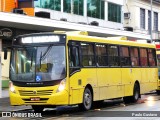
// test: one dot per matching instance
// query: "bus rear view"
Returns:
(38, 71)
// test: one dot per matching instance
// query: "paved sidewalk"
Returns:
(5, 93)
(5, 103)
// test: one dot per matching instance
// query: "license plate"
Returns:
(34, 98)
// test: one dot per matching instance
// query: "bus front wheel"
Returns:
(87, 100)
(38, 108)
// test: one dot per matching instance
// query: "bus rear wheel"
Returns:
(87, 100)
(135, 97)
(38, 108)
(136, 94)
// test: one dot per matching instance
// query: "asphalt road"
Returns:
(147, 108)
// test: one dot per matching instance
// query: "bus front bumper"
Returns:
(60, 98)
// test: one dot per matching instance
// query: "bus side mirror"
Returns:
(5, 54)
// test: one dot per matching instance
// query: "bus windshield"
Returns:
(38, 64)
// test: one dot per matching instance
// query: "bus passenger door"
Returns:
(75, 78)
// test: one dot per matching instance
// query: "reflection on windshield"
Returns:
(22, 64)
(37, 64)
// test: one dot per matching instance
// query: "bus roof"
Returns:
(108, 40)
(83, 36)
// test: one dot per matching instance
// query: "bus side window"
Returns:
(88, 58)
(74, 57)
(151, 57)
(143, 57)
(125, 58)
(101, 54)
(74, 60)
(134, 56)
(113, 56)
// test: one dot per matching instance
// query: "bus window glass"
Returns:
(51, 62)
(73, 57)
(74, 61)
(134, 56)
(125, 58)
(151, 57)
(23, 64)
(101, 53)
(143, 57)
(113, 55)
(88, 58)
(38, 64)
(158, 62)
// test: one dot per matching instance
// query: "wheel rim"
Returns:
(136, 96)
(87, 99)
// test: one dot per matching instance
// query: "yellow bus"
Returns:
(52, 69)
(158, 61)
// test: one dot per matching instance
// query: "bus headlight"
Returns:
(11, 87)
(61, 85)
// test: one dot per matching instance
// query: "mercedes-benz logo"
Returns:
(34, 92)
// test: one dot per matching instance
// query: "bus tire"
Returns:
(158, 92)
(87, 100)
(37, 108)
(135, 97)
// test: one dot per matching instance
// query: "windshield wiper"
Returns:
(40, 60)
(32, 60)
(42, 57)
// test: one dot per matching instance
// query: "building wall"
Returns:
(133, 6)
(119, 2)
(29, 11)
(28, 7)
(5, 66)
(70, 17)
(57, 15)
(7, 5)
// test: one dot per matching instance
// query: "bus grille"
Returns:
(35, 92)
